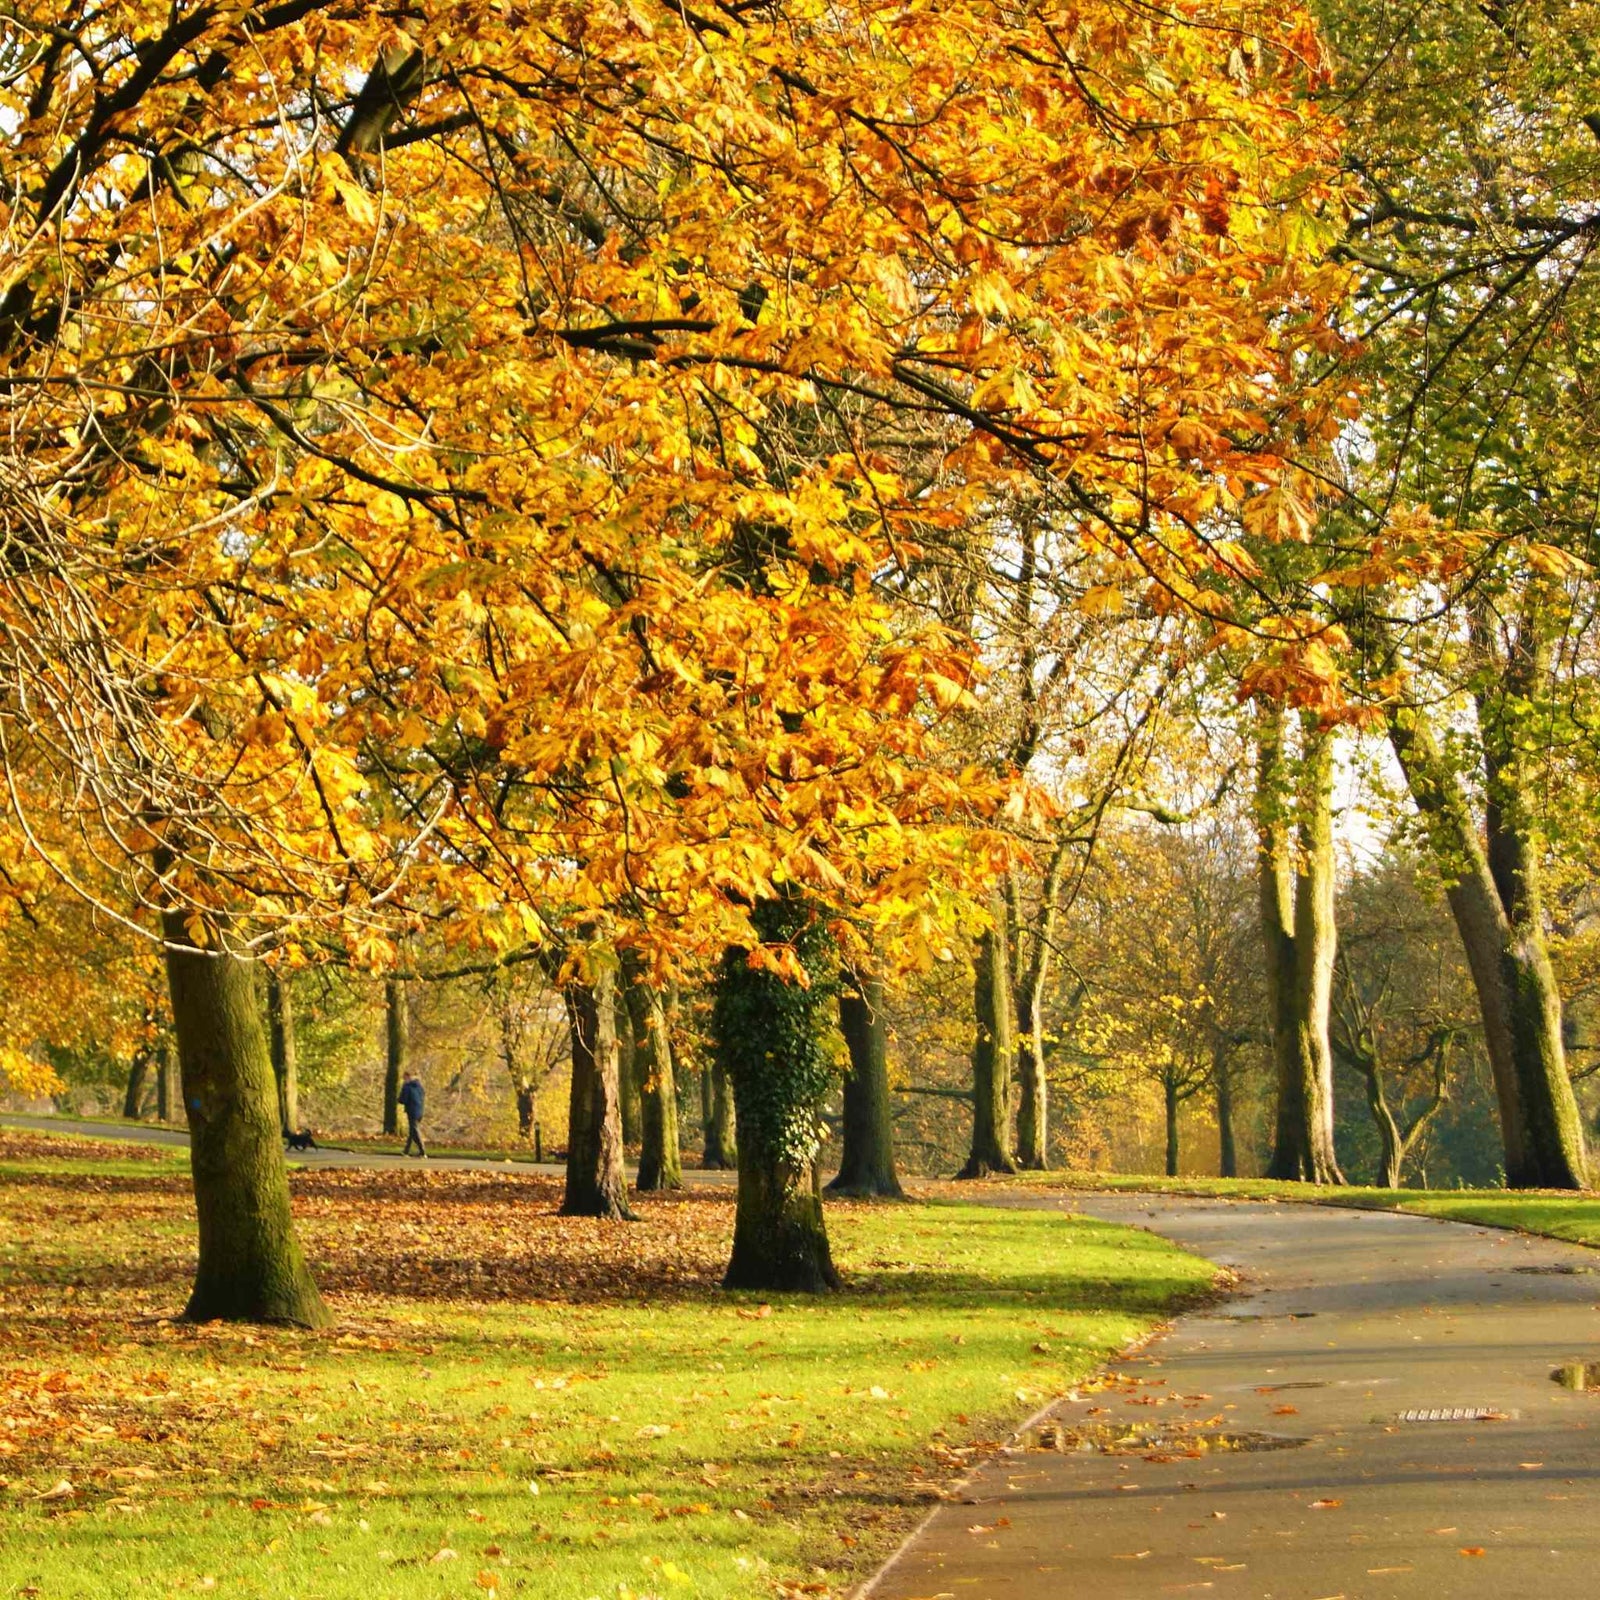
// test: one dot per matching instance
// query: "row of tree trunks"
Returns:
(1294, 819)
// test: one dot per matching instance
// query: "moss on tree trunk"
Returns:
(769, 1036)
(866, 1161)
(251, 1267)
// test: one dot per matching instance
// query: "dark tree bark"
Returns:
(722, 1142)
(251, 1267)
(285, 1051)
(1492, 886)
(1222, 1082)
(138, 1071)
(866, 1161)
(164, 1081)
(1169, 1087)
(597, 1181)
(660, 1159)
(1297, 917)
(629, 1072)
(768, 1037)
(992, 1054)
(397, 1049)
(525, 1110)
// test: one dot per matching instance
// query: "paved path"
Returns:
(377, 1160)
(1347, 1321)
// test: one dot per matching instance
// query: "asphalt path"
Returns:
(375, 1160)
(1372, 1417)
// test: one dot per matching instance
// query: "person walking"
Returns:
(411, 1104)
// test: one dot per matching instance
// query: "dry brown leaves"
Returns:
(17, 1144)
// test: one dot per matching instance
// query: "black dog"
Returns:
(302, 1140)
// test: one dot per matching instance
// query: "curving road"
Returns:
(1313, 1437)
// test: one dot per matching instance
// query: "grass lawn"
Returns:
(513, 1403)
(1556, 1213)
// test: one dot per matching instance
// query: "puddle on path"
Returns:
(1577, 1375)
(1152, 1441)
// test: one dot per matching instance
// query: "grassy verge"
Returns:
(1553, 1213)
(513, 1403)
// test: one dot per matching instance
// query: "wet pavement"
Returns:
(1373, 1416)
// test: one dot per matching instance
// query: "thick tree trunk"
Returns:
(138, 1071)
(597, 1182)
(397, 1049)
(660, 1160)
(769, 1037)
(1227, 1147)
(251, 1268)
(1499, 919)
(992, 1054)
(1297, 919)
(722, 1143)
(866, 1161)
(631, 1070)
(285, 1051)
(1170, 1100)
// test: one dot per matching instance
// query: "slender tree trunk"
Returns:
(722, 1143)
(164, 1081)
(866, 1161)
(1518, 999)
(397, 1052)
(1033, 959)
(597, 1182)
(138, 1070)
(1391, 1152)
(1169, 1087)
(992, 1055)
(704, 1078)
(631, 1070)
(769, 1038)
(251, 1268)
(285, 1051)
(1227, 1148)
(1297, 919)
(660, 1161)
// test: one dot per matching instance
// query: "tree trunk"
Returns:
(1227, 1149)
(660, 1161)
(164, 1081)
(1033, 1101)
(722, 1144)
(285, 1051)
(1169, 1087)
(397, 1055)
(1297, 918)
(1391, 1153)
(597, 1182)
(631, 1068)
(525, 1109)
(992, 1055)
(866, 1162)
(251, 1268)
(1499, 919)
(138, 1070)
(768, 1035)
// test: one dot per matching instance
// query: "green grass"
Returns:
(682, 1442)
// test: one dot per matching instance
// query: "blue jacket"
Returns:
(411, 1098)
